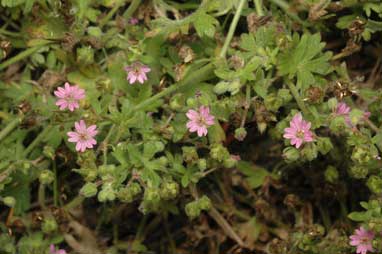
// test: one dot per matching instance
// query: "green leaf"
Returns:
(360, 216)
(305, 59)
(205, 24)
(255, 175)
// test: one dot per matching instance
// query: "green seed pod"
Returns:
(358, 171)
(9, 201)
(332, 104)
(219, 152)
(291, 154)
(331, 174)
(375, 184)
(202, 164)
(240, 134)
(177, 102)
(151, 195)
(309, 151)
(204, 203)
(361, 154)
(190, 155)
(169, 190)
(85, 55)
(49, 225)
(106, 170)
(49, 152)
(192, 102)
(284, 95)
(229, 162)
(89, 190)
(46, 176)
(192, 210)
(106, 194)
(221, 87)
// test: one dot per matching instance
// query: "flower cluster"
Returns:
(69, 97)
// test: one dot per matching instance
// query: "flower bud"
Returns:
(324, 145)
(219, 152)
(240, 134)
(202, 164)
(85, 55)
(106, 170)
(361, 154)
(230, 162)
(272, 102)
(284, 95)
(192, 210)
(309, 151)
(49, 225)
(177, 102)
(358, 171)
(204, 203)
(49, 152)
(151, 195)
(89, 190)
(9, 201)
(192, 103)
(46, 176)
(332, 104)
(169, 190)
(221, 87)
(106, 194)
(128, 193)
(331, 174)
(375, 184)
(190, 155)
(291, 154)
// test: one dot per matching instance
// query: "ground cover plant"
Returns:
(190, 126)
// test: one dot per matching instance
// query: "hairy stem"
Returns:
(22, 55)
(132, 8)
(297, 97)
(259, 7)
(232, 29)
(9, 128)
(37, 140)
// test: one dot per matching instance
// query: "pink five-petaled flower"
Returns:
(133, 21)
(54, 251)
(362, 239)
(83, 136)
(199, 120)
(68, 96)
(137, 71)
(299, 131)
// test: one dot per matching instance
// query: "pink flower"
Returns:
(133, 21)
(54, 251)
(137, 71)
(342, 109)
(199, 120)
(69, 96)
(83, 136)
(363, 240)
(299, 131)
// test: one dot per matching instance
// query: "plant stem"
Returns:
(259, 7)
(193, 78)
(110, 14)
(285, 7)
(247, 104)
(22, 55)
(41, 196)
(232, 29)
(74, 203)
(132, 8)
(55, 184)
(37, 140)
(296, 96)
(8, 129)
